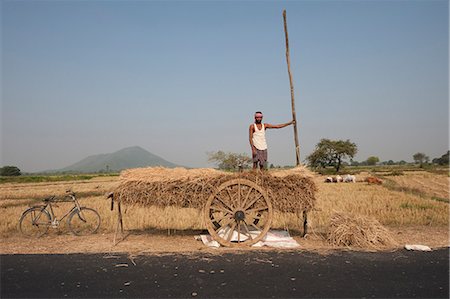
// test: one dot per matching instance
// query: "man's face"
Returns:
(258, 119)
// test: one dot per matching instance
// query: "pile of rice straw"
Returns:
(358, 231)
(289, 190)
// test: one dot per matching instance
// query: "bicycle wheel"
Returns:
(83, 222)
(34, 222)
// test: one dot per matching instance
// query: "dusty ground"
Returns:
(185, 242)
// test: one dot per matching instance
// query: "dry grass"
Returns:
(290, 190)
(358, 231)
(390, 208)
(432, 185)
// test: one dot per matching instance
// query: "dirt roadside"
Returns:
(185, 242)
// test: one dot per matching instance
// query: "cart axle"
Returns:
(239, 215)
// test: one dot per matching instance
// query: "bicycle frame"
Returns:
(49, 208)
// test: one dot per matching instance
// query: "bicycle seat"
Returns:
(70, 193)
(51, 198)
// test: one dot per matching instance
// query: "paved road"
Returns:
(258, 274)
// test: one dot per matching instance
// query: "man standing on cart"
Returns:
(257, 137)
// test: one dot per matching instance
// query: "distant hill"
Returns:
(130, 157)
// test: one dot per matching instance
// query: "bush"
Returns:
(443, 160)
(229, 161)
(10, 171)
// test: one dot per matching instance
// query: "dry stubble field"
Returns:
(411, 218)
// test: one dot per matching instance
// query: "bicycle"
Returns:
(36, 220)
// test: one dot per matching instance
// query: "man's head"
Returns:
(258, 117)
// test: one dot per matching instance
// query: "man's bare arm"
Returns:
(250, 137)
(269, 126)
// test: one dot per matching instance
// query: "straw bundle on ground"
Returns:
(358, 231)
(289, 190)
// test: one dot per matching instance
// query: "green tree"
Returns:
(443, 160)
(10, 171)
(372, 160)
(420, 158)
(331, 153)
(229, 161)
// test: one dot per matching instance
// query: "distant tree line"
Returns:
(373, 160)
(419, 158)
(333, 153)
(328, 153)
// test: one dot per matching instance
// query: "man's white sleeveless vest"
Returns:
(259, 138)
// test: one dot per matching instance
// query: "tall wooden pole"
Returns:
(294, 118)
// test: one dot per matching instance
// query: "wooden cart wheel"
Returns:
(238, 213)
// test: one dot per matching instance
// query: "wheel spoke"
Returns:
(221, 209)
(227, 205)
(248, 232)
(224, 225)
(252, 202)
(224, 217)
(257, 209)
(231, 197)
(230, 232)
(239, 195)
(239, 231)
(255, 226)
(246, 197)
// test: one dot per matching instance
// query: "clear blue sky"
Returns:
(181, 78)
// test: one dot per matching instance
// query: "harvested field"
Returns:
(412, 219)
(390, 208)
(38, 191)
(429, 184)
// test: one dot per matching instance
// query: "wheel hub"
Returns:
(239, 215)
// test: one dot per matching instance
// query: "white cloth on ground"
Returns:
(273, 238)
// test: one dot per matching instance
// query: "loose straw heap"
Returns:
(289, 190)
(358, 231)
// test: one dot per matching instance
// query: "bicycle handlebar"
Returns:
(53, 198)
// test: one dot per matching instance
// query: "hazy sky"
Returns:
(181, 78)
